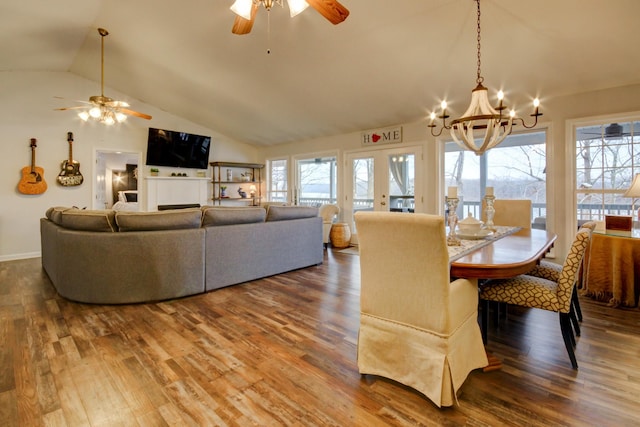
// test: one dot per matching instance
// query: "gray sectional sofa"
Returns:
(109, 257)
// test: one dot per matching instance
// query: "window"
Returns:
(607, 159)
(316, 181)
(277, 188)
(515, 169)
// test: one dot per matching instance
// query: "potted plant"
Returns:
(154, 171)
(223, 191)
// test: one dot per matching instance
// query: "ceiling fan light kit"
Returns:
(102, 108)
(246, 11)
(243, 7)
(491, 125)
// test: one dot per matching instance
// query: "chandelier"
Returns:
(491, 125)
(243, 7)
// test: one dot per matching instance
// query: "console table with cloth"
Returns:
(613, 273)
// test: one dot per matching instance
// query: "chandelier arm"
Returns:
(531, 126)
(434, 133)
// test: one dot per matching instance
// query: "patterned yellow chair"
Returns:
(551, 271)
(416, 327)
(536, 292)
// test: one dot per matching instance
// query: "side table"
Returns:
(340, 235)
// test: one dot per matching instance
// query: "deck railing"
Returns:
(586, 211)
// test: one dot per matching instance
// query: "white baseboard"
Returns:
(14, 257)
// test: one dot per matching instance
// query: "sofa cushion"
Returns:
(281, 213)
(55, 213)
(161, 220)
(266, 205)
(88, 220)
(215, 216)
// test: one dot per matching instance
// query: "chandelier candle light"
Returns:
(489, 123)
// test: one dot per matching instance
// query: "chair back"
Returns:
(583, 278)
(572, 263)
(404, 268)
(510, 212)
(328, 212)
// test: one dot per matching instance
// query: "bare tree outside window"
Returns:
(607, 159)
(516, 169)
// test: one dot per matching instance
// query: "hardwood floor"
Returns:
(282, 351)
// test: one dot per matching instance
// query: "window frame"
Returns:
(572, 135)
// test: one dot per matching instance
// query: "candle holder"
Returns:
(489, 211)
(452, 238)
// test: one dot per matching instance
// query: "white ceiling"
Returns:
(390, 62)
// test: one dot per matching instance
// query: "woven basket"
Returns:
(340, 235)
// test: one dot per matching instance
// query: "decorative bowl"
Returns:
(470, 225)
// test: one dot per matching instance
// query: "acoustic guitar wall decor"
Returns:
(32, 181)
(70, 174)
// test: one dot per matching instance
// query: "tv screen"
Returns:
(177, 149)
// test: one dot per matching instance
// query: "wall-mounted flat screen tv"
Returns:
(177, 149)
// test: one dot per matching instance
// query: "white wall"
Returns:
(27, 111)
(557, 112)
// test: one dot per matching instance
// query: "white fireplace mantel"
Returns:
(176, 190)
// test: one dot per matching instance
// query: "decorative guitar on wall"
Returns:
(32, 181)
(70, 174)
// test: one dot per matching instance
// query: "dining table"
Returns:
(510, 252)
(508, 255)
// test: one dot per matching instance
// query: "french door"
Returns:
(383, 180)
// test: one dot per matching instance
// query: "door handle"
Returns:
(383, 203)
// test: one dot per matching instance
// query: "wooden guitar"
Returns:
(32, 181)
(70, 174)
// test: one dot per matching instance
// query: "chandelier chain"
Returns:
(479, 78)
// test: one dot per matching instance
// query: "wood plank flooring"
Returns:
(281, 351)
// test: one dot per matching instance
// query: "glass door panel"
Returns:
(401, 182)
(381, 180)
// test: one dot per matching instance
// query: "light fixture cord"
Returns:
(479, 78)
(102, 66)
(268, 30)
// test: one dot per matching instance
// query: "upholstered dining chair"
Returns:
(416, 327)
(510, 212)
(536, 292)
(551, 271)
(328, 213)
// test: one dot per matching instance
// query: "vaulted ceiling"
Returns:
(390, 62)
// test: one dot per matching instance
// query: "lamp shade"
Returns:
(634, 190)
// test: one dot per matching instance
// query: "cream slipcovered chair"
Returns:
(416, 327)
(327, 212)
(551, 271)
(536, 292)
(514, 213)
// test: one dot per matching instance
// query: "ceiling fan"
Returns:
(246, 10)
(612, 131)
(102, 108)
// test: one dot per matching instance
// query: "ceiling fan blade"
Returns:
(117, 104)
(74, 100)
(135, 113)
(243, 26)
(330, 9)
(71, 108)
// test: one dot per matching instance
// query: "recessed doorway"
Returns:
(115, 171)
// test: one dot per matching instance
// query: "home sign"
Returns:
(391, 135)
